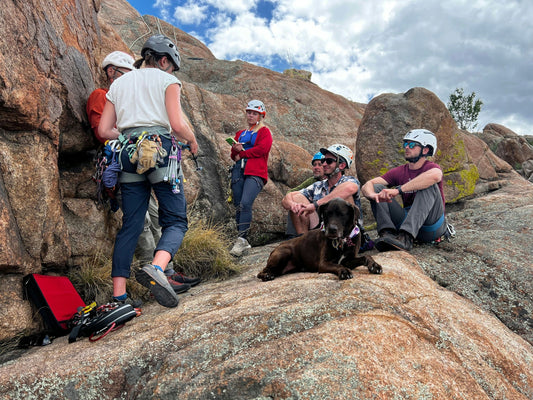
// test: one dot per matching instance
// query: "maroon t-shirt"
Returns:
(402, 174)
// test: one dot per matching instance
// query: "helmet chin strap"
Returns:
(336, 170)
(416, 158)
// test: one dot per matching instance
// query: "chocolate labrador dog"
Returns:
(333, 248)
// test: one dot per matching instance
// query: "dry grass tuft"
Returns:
(93, 281)
(204, 253)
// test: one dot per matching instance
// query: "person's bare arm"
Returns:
(175, 115)
(368, 188)
(423, 181)
(107, 129)
(345, 191)
(293, 201)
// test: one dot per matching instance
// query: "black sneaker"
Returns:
(155, 280)
(180, 278)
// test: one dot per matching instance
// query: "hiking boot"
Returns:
(180, 278)
(240, 247)
(155, 280)
(403, 241)
(178, 286)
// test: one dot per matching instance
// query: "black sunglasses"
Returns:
(411, 145)
(329, 161)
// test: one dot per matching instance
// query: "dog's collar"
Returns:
(338, 242)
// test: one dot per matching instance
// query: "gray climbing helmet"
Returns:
(163, 45)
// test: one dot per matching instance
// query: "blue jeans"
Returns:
(245, 189)
(135, 198)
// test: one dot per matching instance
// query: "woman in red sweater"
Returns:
(250, 172)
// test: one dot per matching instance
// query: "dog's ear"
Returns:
(356, 214)
(322, 211)
(351, 218)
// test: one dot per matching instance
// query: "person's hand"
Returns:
(306, 209)
(193, 147)
(296, 207)
(386, 195)
(237, 147)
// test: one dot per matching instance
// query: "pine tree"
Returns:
(464, 109)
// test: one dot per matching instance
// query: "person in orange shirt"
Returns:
(115, 65)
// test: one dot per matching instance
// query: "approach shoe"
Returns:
(155, 280)
(381, 244)
(178, 286)
(403, 241)
(135, 303)
(180, 278)
(240, 247)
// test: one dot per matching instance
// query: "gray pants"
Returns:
(421, 220)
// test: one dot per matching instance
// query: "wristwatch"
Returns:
(399, 188)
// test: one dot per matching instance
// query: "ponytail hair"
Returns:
(150, 58)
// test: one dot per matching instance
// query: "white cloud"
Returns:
(191, 13)
(361, 48)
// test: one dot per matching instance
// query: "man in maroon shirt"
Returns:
(419, 182)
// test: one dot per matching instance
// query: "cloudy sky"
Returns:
(361, 48)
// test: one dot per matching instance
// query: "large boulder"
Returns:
(508, 146)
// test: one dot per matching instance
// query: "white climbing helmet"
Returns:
(118, 59)
(424, 137)
(341, 151)
(256, 105)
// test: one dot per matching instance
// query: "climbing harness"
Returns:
(143, 147)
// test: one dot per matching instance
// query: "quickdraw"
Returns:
(171, 174)
(105, 192)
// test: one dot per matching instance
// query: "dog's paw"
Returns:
(345, 273)
(375, 268)
(265, 276)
